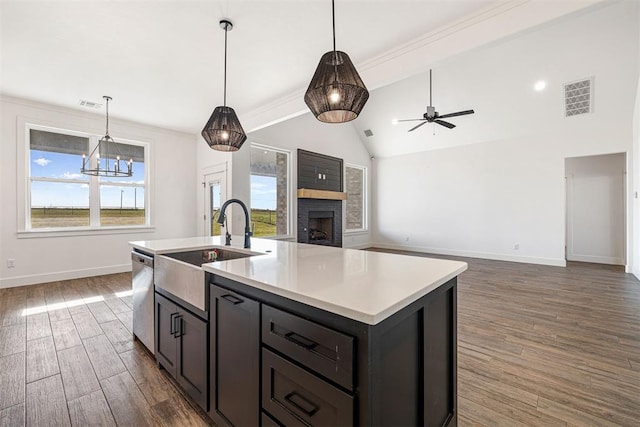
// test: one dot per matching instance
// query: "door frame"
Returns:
(625, 204)
(215, 173)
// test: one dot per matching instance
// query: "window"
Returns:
(355, 183)
(60, 197)
(269, 191)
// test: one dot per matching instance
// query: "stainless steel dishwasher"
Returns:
(142, 284)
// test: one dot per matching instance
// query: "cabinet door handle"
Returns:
(172, 324)
(303, 404)
(232, 299)
(180, 329)
(177, 328)
(300, 340)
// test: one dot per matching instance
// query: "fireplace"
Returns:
(320, 222)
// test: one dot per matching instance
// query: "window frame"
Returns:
(365, 211)
(262, 146)
(25, 229)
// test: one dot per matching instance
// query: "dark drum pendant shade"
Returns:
(336, 93)
(223, 131)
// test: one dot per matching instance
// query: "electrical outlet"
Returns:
(11, 263)
(516, 246)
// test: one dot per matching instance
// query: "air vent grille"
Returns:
(578, 97)
(368, 133)
(90, 104)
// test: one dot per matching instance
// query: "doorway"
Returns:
(595, 189)
(215, 190)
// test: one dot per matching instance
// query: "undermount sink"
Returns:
(204, 256)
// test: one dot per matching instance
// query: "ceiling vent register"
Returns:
(578, 97)
(90, 104)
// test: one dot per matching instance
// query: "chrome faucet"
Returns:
(247, 229)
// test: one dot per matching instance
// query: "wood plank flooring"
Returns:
(67, 357)
(537, 346)
(547, 346)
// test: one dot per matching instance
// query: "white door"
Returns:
(215, 190)
(595, 209)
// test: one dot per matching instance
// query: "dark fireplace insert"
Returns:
(320, 222)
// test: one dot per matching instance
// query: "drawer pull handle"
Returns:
(300, 340)
(233, 300)
(303, 401)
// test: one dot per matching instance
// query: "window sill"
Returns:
(82, 231)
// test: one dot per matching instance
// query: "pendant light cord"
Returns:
(335, 53)
(333, 16)
(226, 28)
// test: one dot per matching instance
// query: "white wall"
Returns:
(44, 259)
(595, 208)
(338, 140)
(481, 199)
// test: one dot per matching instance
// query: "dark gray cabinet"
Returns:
(235, 358)
(181, 347)
(318, 368)
(296, 397)
(319, 172)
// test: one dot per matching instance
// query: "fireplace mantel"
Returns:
(307, 193)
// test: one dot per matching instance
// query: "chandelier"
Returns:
(105, 160)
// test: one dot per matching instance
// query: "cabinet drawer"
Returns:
(296, 397)
(328, 352)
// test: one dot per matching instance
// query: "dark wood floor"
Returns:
(548, 346)
(67, 356)
(537, 346)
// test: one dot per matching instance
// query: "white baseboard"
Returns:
(596, 259)
(358, 246)
(62, 275)
(469, 254)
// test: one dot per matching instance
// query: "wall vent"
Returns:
(90, 104)
(368, 133)
(578, 97)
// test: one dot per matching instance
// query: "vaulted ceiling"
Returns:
(162, 61)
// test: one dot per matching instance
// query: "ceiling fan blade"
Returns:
(410, 120)
(416, 127)
(445, 124)
(459, 113)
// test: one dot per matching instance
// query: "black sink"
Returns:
(204, 256)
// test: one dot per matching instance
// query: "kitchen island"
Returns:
(310, 335)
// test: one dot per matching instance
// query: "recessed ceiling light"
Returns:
(394, 121)
(540, 85)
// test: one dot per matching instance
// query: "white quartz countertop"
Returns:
(361, 285)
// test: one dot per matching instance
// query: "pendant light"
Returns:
(336, 93)
(105, 160)
(223, 131)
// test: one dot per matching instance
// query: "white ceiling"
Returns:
(161, 61)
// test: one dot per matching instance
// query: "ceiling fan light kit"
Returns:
(432, 116)
(336, 93)
(223, 131)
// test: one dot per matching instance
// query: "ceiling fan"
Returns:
(432, 116)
